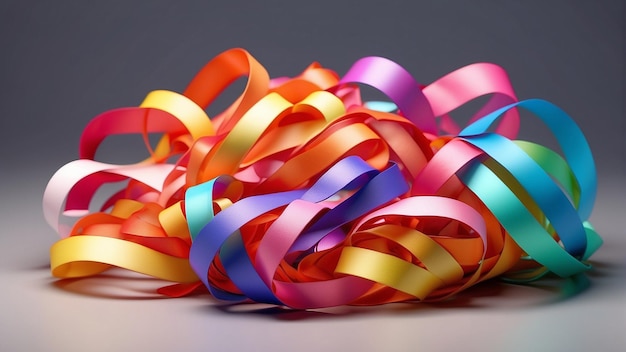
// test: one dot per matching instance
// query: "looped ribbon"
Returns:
(300, 194)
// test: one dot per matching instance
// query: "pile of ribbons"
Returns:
(302, 195)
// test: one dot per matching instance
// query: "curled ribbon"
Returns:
(300, 194)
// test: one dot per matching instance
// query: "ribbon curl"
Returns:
(300, 194)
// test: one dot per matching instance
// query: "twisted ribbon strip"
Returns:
(299, 194)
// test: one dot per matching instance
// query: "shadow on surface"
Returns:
(490, 295)
(116, 284)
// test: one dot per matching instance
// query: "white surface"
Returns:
(119, 312)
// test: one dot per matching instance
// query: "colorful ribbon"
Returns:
(299, 194)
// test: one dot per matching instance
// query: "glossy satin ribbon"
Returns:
(300, 194)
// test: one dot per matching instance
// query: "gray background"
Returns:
(64, 62)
